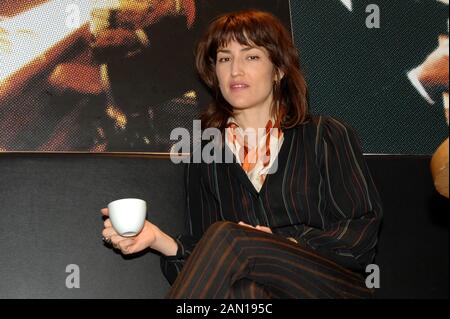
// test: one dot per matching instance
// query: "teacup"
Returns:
(128, 216)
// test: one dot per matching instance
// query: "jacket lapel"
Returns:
(239, 172)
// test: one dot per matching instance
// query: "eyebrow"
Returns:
(242, 50)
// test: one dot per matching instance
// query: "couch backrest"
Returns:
(50, 219)
(413, 246)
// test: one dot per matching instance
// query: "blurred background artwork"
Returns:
(103, 75)
(117, 75)
(379, 65)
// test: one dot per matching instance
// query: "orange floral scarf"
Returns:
(255, 150)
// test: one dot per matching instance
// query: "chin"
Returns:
(239, 108)
(239, 104)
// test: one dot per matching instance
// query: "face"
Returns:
(246, 76)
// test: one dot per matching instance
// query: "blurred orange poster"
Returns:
(103, 75)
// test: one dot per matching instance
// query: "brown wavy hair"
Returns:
(262, 29)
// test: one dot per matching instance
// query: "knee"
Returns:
(222, 229)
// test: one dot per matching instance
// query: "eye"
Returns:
(253, 58)
(223, 59)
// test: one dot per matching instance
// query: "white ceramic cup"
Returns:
(128, 216)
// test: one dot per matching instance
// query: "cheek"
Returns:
(222, 83)
(220, 76)
(267, 84)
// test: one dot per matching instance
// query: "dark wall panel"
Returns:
(413, 247)
(49, 218)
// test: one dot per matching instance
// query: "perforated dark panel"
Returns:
(360, 74)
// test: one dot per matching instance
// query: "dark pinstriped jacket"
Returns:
(322, 194)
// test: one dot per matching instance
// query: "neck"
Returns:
(252, 118)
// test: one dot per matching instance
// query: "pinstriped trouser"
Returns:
(232, 261)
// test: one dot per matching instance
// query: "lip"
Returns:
(239, 86)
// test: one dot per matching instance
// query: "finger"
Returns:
(264, 229)
(106, 237)
(115, 239)
(105, 211)
(109, 232)
(125, 245)
(107, 223)
(245, 225)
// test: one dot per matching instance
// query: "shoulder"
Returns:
(334, 127)
(326, 132)
(322, 126)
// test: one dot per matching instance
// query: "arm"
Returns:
(150, 237)
(353, 207)
(171, 266)
(175, 251)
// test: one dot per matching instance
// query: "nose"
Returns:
(236, 68)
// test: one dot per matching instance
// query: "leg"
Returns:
(228, 253)
(248, 289)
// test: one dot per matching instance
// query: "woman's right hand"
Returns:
(130, 245)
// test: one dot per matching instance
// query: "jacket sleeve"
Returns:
(171, 266)
(353, 205)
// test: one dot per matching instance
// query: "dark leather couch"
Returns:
(49, 219)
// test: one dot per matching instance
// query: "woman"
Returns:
(300, 221)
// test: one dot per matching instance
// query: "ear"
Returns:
(279, 75)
